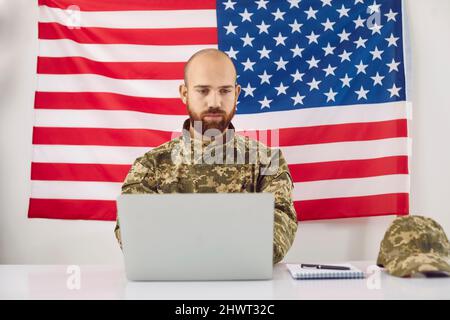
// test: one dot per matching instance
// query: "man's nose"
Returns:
(214, 99)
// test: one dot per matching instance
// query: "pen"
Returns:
(323, 266)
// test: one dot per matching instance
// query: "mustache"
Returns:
(213, 111)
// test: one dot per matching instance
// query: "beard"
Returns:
(221, 123)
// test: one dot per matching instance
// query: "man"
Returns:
(194, 162)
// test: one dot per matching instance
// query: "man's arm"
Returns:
(140, 179)
(278, 181)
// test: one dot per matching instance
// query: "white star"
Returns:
(361, 67)
(359, 1)
(359, 22)
(360, 42)
(329, 70)
(393, 65)
(362, 93)
(279, 15)
(265, 103)
(247, 40)
(246, 16)
(265, 77)
(279, 39)
(281, 64)
(263, 27)
(314, 84)
(248, 90)
(313, 37)
(330, 95)
(374, 7)
(377, 80)
(230, 28)
(392, 40)
(264, 53)
(391, 15)
(328, 25)
(343, 11)
(248, 65)
(311, 13)
(297, 76)
(326, 3)
(294, 3)
(296, 26)
(232, 53)
(229, 4)
(281, 89)
(313, 63)
(394, 91)
(297, 51)
(376, 28)
(328, 49)
(343, 35)
(345, 56)
(376, 53)
(261, 4)
(346, 81)
(298, 98)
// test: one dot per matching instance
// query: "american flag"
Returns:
(328, 75)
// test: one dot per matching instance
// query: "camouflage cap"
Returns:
(415, 245)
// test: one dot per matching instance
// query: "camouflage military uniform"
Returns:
(167, 169)
(415, 245)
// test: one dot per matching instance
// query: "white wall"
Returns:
(42, 241)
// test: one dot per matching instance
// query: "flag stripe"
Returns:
(118, 52)
(155, 37)
(374, 205)
(130, 19)
(265, 121)
(94, 190)
(299, 172)
(287, 137)
(89, 5)
(108, 101)
(293, 154)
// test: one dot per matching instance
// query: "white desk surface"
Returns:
(109, 282)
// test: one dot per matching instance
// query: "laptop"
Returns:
(197, 236)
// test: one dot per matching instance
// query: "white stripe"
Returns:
(97, 83)
(130, 19)
(326, 189)
(118, 52)
(263, 121)
(303, 191)
(352, 150)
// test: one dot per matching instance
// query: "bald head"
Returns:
(210, 60)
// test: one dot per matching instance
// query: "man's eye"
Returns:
(203, 91)
(225, 91)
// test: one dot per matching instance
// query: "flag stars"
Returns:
(376, 28)
(330, 95)
(229, 5)
(362, 93)
(328, 49)
(248, 90)
(278, 15)
(361, 68)
(279, 39)
(343, 35)
(345, 55)
(293, 3)
(393, 66)
(297, 51)
(261, 4)
(263, 27)
(343, 11)
(264, 53)
(377, 80)
(360, 42)
(298, 99)
(297, 76)
(313, 38)
(296, 26)
(232, 53)
(359, 22)
(328, 25)
(346, 81)
(265, 103)
(311, 13)
(247, 40)
(246, 16)
(281, 64)
(392, 41)
(329, 70)
(265, 77)
(314, 84)
(374, 7)
(394, 91)
(376, 54)
(326, 3)
(230, 28)
(391, 15)
(313, 63)
(281, 89)
(248, 65)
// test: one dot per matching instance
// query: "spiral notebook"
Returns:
(297, 272)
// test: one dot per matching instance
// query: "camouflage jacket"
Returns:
(247, 165)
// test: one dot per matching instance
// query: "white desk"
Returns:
(109, 282)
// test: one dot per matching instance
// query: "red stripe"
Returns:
(108, 101)
(115, 5)
(376, 205)
(117, 70)
(79, 172)
(93, 35)
(72, 209)
(153, 138)
(347, 169)
(300, 172)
